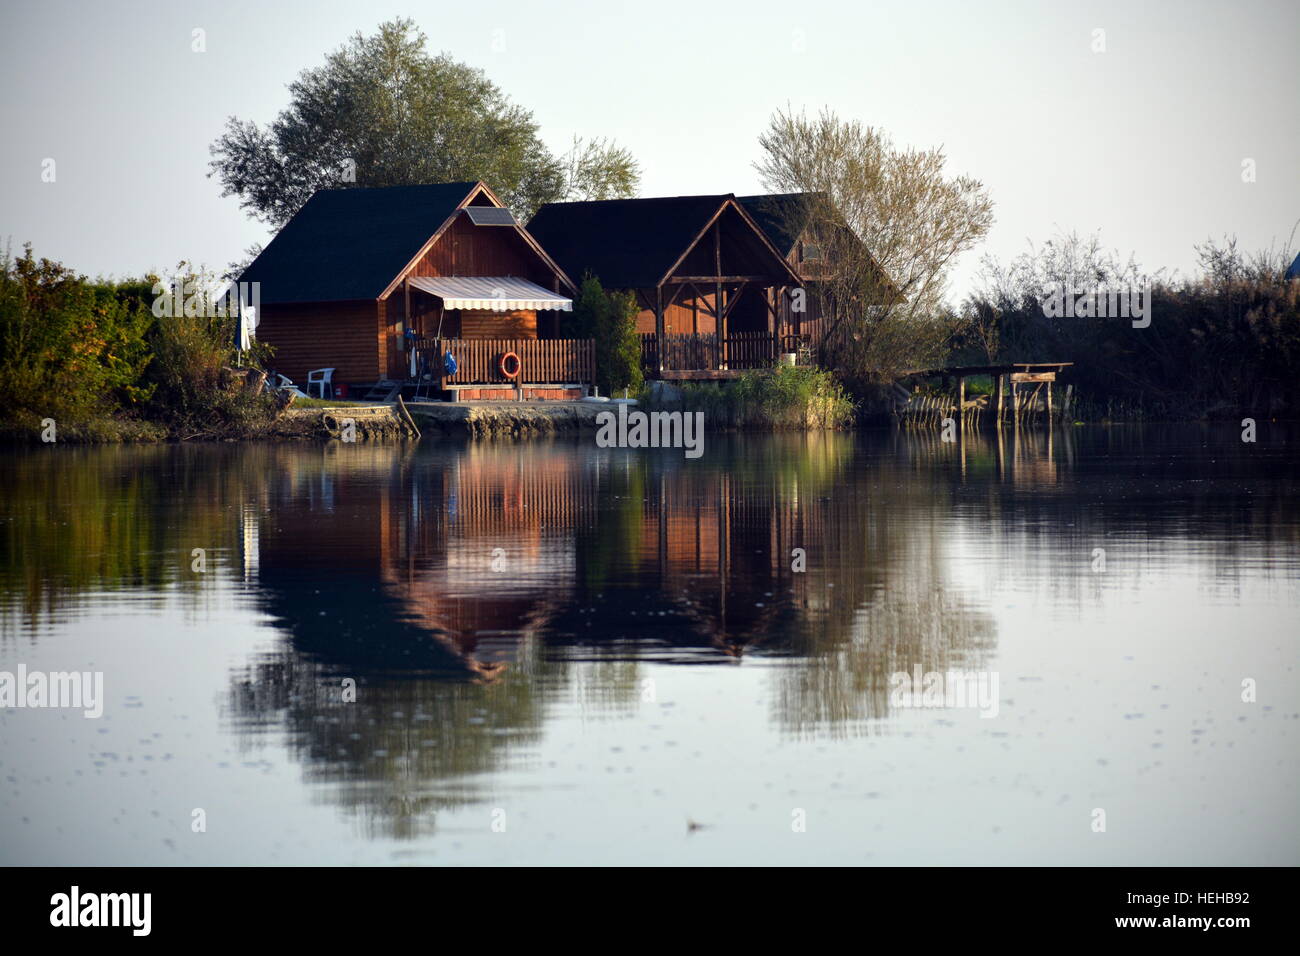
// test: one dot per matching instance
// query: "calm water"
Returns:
(564, 654)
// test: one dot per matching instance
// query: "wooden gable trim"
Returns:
(480, 189)
(533, 243)
(693, 243)
(730, 202)
(446, 224)
(762, 236)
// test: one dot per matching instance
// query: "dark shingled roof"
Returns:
(351, 243)
(780, 215)
(626, 243)
(783, 217)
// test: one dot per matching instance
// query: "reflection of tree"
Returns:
(1140, 494)
(79, 521)
(717, 553)
(410, 744)
(910, 615)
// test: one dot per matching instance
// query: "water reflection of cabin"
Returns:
(711, 286)
(361, 278)
(704, 548)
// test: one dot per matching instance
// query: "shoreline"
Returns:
(507, 420)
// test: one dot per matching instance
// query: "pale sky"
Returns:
(1144, 141)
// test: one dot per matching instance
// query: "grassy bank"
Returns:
(777, 399)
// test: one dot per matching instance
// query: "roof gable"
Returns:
(626, 243)
(351, 243)
(782, 216)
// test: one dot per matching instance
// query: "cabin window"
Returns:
(811, 251)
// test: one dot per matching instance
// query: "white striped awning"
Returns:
(500, 293)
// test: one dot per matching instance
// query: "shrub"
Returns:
(193, 390)
(1224, 343)
(69, 350)
(93, 357)
(610, 319)
(780, 398)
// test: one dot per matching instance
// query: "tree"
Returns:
(1221, 342)
(597, 169)
(383, 112)
(889, 223)
(610, 319)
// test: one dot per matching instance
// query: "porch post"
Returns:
(440, 349)
(659, 330)
(777, 326)
(717, 293)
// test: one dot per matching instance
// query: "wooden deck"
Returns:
(541, 361)
(706, 355)
(700, 374)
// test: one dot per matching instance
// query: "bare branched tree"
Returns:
(599, 169)
(890, 223)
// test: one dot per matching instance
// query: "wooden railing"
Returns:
(541, 361)
(706, 351)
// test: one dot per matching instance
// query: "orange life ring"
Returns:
(503, 361)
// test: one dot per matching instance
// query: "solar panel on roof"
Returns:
(490, 216)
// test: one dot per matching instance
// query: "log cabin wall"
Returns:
(312, 335)
(688, 314)
(808, 322)
(490, 324)
(694, 314)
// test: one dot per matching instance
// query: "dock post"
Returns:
(1001, 380)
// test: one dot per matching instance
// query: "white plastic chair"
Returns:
(324, 377)
(283, 383)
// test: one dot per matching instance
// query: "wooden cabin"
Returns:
(380, 284)
(709, 282)
(787, 220)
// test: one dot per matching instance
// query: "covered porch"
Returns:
(719, 310)
(490, 337)
(711, 290)
(693, 356)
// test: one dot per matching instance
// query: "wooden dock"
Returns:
(1022, 396)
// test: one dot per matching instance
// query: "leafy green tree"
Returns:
(587, 308)
(618, 349)
(610, 319)
(383, 112)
